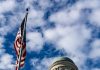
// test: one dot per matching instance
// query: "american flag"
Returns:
(20, 44)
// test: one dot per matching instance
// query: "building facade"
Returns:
(63, 63)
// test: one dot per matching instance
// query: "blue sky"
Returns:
(55, 28)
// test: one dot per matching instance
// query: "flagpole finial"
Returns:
(27, 9)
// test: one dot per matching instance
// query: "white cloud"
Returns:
(95, 52)
(8, 25)
(94, 6)
(35, 41)
(28, 3)
(74, 38)
(6, 60)
(94, 18)
(65, 17)
(73, 14)
(69, 38)
(1, 41)
(2, 24)
(2, 19)
(35, 18)
(4, 30)
(44, 4)
(7, 5)
(87, 4)
(96, 69)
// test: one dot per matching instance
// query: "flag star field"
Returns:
(54, 28)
